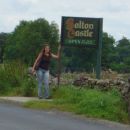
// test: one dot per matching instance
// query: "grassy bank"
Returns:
(15, 81)
(91, 103)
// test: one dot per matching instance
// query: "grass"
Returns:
(109, 105)
(91, 103)
(14, 80)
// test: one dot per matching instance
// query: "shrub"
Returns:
(13, 77)
(29, 87)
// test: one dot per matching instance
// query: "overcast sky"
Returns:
(115, 13)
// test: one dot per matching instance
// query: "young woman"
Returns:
(41, 67)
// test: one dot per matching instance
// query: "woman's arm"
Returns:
(58, 53)
(37, 59)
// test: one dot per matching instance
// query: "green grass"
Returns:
(15, 81)
(91, 103)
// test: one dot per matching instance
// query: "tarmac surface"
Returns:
(15, 117)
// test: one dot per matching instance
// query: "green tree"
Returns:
(122, 64)
(108, 51)
(3, 38)
(28, 38)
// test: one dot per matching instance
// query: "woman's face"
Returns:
(47, 49)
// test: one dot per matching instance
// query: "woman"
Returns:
(41, 67)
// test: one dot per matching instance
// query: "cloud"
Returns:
(114, 12)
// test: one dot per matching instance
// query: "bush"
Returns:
(29, 87)
(13, 77)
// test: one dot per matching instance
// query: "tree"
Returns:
(108, 50)
(26, 41)
(123, 55)
(28, 38)
(123, 49)
(3, 38)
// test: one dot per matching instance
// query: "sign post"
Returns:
(83, 32)
(99, 51)
(59, 67)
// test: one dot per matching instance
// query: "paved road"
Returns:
(14, 117)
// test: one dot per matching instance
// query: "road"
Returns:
(13, 117)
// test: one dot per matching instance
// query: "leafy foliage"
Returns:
(14, 78)
(3, 38)
(28, 38)
(26, 41)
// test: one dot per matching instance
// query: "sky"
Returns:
(115, 13)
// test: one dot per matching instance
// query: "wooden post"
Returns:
(59, 68)
(99, 51)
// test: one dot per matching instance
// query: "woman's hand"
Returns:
(33, 71)
(58, 53)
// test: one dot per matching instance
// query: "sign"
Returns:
(78, 31)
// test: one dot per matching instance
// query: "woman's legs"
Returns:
(46, 84)
(40, 76)
(43, 75)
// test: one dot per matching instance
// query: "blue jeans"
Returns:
(43, 76)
